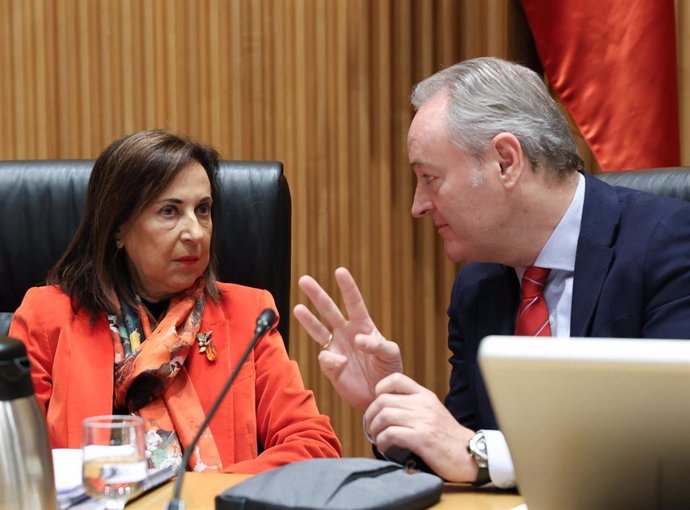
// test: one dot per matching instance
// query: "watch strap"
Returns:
(483, 476)
(476, 446)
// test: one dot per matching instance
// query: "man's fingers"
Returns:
(387, 407)
(398, 383)
(317, 331)
(352, 297)
(388, 417)
(322, 301)
(396, 436)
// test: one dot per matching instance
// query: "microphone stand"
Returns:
(264, 322)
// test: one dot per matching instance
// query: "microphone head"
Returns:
(265, 321)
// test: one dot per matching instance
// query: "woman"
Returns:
(134, 321)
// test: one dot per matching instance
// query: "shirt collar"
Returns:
(560, 250)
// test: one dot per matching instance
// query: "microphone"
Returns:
(264, 322)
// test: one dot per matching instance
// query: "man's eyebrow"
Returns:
(418, 163)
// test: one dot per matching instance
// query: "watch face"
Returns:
(477, 447)
(481, 443)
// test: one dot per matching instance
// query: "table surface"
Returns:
(199, 491)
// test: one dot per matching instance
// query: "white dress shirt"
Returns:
(558, 255)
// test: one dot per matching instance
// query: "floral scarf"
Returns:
(152, 381)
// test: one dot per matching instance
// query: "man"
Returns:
(498, 174)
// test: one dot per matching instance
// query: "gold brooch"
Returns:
(206, 345)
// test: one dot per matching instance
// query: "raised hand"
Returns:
(356, 357)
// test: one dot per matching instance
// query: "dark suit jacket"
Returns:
(632, 279)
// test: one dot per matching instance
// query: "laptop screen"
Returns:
(593, 423)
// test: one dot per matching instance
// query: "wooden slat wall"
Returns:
(322, 85)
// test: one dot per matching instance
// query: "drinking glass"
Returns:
(114, 467)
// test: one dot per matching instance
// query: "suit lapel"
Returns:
(209, 377)
(499, 299)
(600, 218)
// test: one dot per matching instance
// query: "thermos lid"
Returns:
(15, 376)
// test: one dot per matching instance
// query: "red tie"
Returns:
(533, 316)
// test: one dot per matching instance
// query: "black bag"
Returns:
(335, 484)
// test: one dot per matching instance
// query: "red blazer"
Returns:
(267, 406)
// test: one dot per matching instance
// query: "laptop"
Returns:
(593, 423)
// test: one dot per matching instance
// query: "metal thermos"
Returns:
(26, 465)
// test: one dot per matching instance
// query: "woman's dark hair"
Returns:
(128, 175)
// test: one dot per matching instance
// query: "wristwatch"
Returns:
(476, 447)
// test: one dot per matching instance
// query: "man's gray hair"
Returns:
(488, 96)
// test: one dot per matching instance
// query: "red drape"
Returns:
(613, 65)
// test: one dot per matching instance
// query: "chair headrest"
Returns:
(667, 182)
(41, 204)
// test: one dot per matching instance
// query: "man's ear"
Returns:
(509, 157)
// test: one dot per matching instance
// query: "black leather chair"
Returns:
(668, 182)
(41, 203)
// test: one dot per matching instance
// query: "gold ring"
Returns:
(328, 342)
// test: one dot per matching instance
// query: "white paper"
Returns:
(67, 463)
(67, 468)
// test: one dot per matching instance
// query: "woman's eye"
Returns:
(204, 209)
(168, 211)
(428, 178)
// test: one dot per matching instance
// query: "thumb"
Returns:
(377, 345)
(332, 364)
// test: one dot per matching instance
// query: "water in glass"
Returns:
(114, 466)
